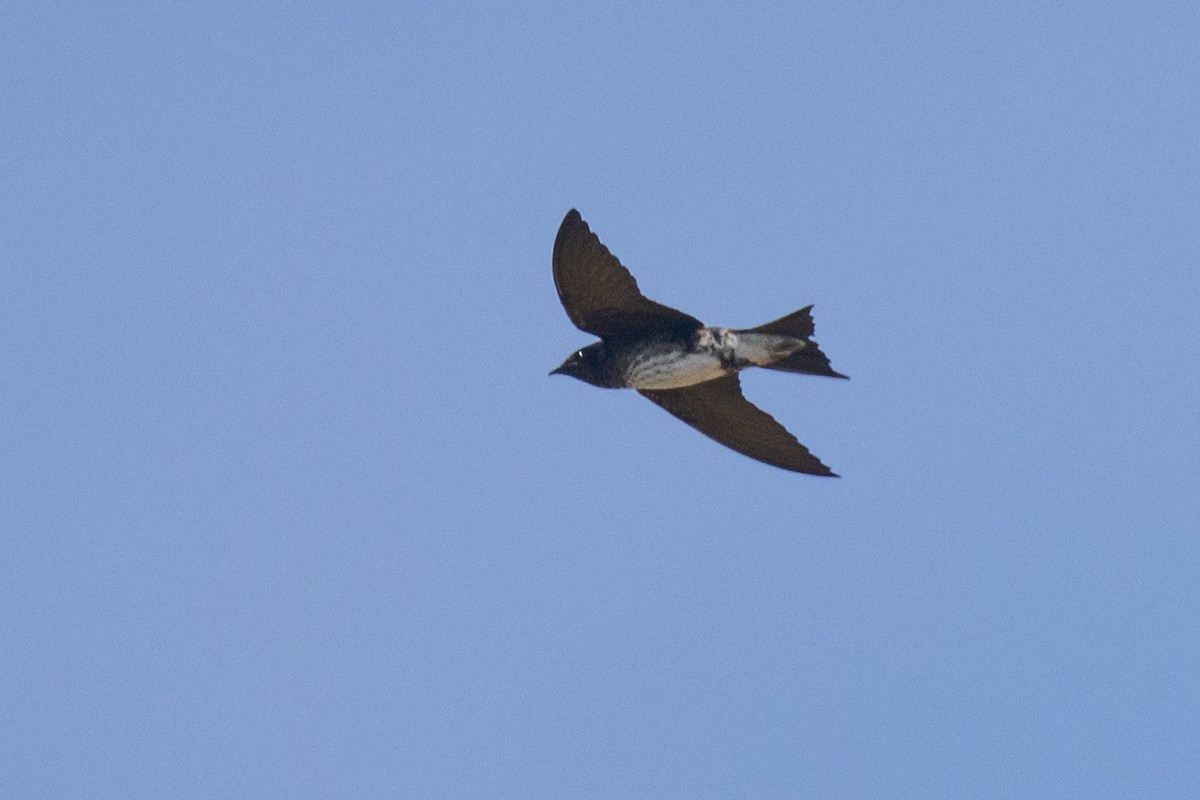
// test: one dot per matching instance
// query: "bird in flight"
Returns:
(674, 360)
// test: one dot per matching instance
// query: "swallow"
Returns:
(673, 359)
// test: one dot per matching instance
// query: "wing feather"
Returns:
(599, 294)
(720, 411)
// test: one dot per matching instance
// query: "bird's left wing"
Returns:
(719, 410)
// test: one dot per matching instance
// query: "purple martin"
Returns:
(673, 359)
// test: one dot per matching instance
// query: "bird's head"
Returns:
(585, 364)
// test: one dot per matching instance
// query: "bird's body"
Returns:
(672, 359)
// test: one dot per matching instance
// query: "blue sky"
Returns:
(290, 508)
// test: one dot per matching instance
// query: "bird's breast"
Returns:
(672, 368)
(674, 363)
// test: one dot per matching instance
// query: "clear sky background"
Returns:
(290, 508)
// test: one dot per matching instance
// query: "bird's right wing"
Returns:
(599, 295)
(719, 410)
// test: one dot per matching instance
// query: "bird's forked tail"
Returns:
(810, 360)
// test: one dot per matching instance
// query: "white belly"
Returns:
(670, 371)
(714, 353)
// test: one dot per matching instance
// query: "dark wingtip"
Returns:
(571, 220)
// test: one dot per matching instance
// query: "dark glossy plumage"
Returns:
(601, 297)
(599, 294)
(719, 410)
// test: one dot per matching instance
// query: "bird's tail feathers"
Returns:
(810, 360)
(798, 324)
